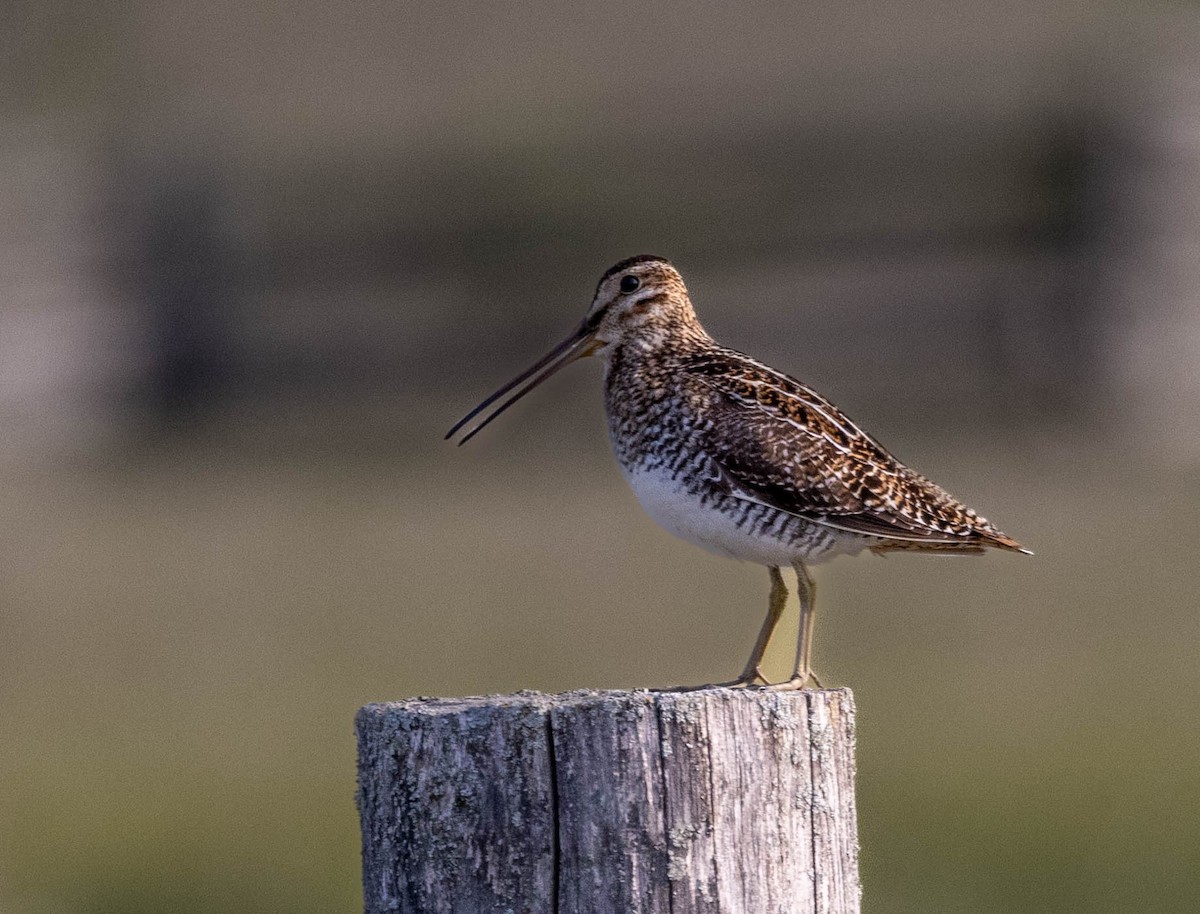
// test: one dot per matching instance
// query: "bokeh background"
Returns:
(258, 257)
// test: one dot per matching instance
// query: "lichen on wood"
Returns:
(716, 801)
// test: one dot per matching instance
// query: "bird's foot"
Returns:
(801, 680)
(750, 679)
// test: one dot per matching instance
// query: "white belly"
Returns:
(679, 512)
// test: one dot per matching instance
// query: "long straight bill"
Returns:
(576, 346)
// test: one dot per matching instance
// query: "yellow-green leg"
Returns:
(802, 672)
(775, 605)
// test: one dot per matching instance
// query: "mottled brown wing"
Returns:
(780, 443)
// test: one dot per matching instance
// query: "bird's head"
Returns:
(639, 302)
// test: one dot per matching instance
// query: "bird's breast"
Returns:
(692, 508)
(659, 428)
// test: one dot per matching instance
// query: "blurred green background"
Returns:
(258, 258)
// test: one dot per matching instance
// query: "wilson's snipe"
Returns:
(739, 458)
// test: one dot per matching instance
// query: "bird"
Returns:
(738, 458)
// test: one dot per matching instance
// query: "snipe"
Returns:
(738, 458)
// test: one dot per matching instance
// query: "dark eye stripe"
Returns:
(647, 303)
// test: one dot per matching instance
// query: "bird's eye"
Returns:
(629, 283)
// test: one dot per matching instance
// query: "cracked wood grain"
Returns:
(717, 801)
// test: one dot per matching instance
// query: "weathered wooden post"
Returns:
(718, 801)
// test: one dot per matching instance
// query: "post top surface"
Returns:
(528, 700)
